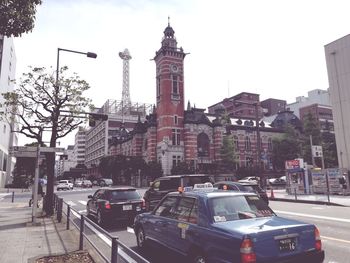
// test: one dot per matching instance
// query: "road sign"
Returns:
(24, 154)
(317, 151)
(23, 149)
(51, 149)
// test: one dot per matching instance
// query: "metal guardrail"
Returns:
(117, 247)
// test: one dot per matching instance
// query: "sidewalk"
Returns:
(21, 241)
(282, 195)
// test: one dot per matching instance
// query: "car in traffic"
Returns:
(250, 179)
(86, 184)
(64, 185)
(105, 182)
(109, 205)
(165, 184)
(281, 181)
(211, 225)
(78, 183)
(243, 186)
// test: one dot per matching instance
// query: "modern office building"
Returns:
(66, 161)
(338, 68)
(273, 106)
(321, 113)
(79, 146)
(316, 96)
(7, 138)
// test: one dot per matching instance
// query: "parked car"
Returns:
(105, 182)
(78, 183)
(165, 184)
(64, 185)
(278, 181)
(110, 205)
(86, 184)
(250, 179)
(243, 186)
(226, 226)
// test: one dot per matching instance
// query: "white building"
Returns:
(66, 161)
(316, 96)
(7, 139)
(79, 146)
(338, 67)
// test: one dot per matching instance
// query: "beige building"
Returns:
(338, 67)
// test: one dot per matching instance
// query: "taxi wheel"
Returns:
(199, 258)
(141, 238)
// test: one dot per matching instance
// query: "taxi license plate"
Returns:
(127, 207)
(286, 245)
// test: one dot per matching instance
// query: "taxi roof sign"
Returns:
(203, 186)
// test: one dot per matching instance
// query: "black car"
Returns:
(165, 184)
(115, 204)
(243, 186)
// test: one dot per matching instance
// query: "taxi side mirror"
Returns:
(90, 196)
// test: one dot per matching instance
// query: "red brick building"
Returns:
(172, 134)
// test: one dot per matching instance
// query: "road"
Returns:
(332, 221)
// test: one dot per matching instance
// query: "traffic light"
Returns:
(93, 117)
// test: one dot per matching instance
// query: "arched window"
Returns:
(235, 142)
(202, 144)
(247, 143)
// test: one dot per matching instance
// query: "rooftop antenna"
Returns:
(125, 56)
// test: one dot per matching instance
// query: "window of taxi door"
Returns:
(186, 210)
(165, 208)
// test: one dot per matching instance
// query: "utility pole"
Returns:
(312, 156)
(36, 178)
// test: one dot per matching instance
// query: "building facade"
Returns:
(273, 106)
(316, 96)
(7, 138)
(171, 134)
(338, 68)
(66, 161)
(322, 114)
(79, 146)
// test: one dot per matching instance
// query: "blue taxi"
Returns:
(210, 225)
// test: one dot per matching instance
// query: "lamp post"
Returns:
(51, 156)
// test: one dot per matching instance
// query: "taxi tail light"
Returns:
(318, 242)
(107, 205)
(143, 204)
(247, 252)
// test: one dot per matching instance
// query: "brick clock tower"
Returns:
(170, 101)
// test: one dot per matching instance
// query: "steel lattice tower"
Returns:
(125, 56)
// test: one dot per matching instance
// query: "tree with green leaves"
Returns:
(285, 147)
(41, 106)
(329, 147)
(17, 16)
(229, 153)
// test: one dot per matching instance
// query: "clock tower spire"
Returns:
(170, 100)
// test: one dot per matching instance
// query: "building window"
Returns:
(158, 86)
(176, 160)
(175, 120)
(175, 136)
(175, 84)
(203, 145)
(247, 143)
(269, 144)
(235, 142)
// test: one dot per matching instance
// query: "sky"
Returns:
(274, 48)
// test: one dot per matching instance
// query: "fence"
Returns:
(119, 252)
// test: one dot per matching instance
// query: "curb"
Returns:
(306, 201)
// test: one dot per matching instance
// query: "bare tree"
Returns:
(40, 104)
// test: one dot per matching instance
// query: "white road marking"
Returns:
(336, 239)
(107, 241)
(82, 202)
(314, 216)
(130, 230)
(71, 203)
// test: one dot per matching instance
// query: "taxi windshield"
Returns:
(229, 208)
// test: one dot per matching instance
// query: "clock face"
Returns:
(174, 68)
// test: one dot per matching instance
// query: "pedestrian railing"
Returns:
(119, 252)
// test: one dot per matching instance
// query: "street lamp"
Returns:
(88, 54)
(49, 189)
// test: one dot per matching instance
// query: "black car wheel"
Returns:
(141, 238)
(88, 211)
(100, 219)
